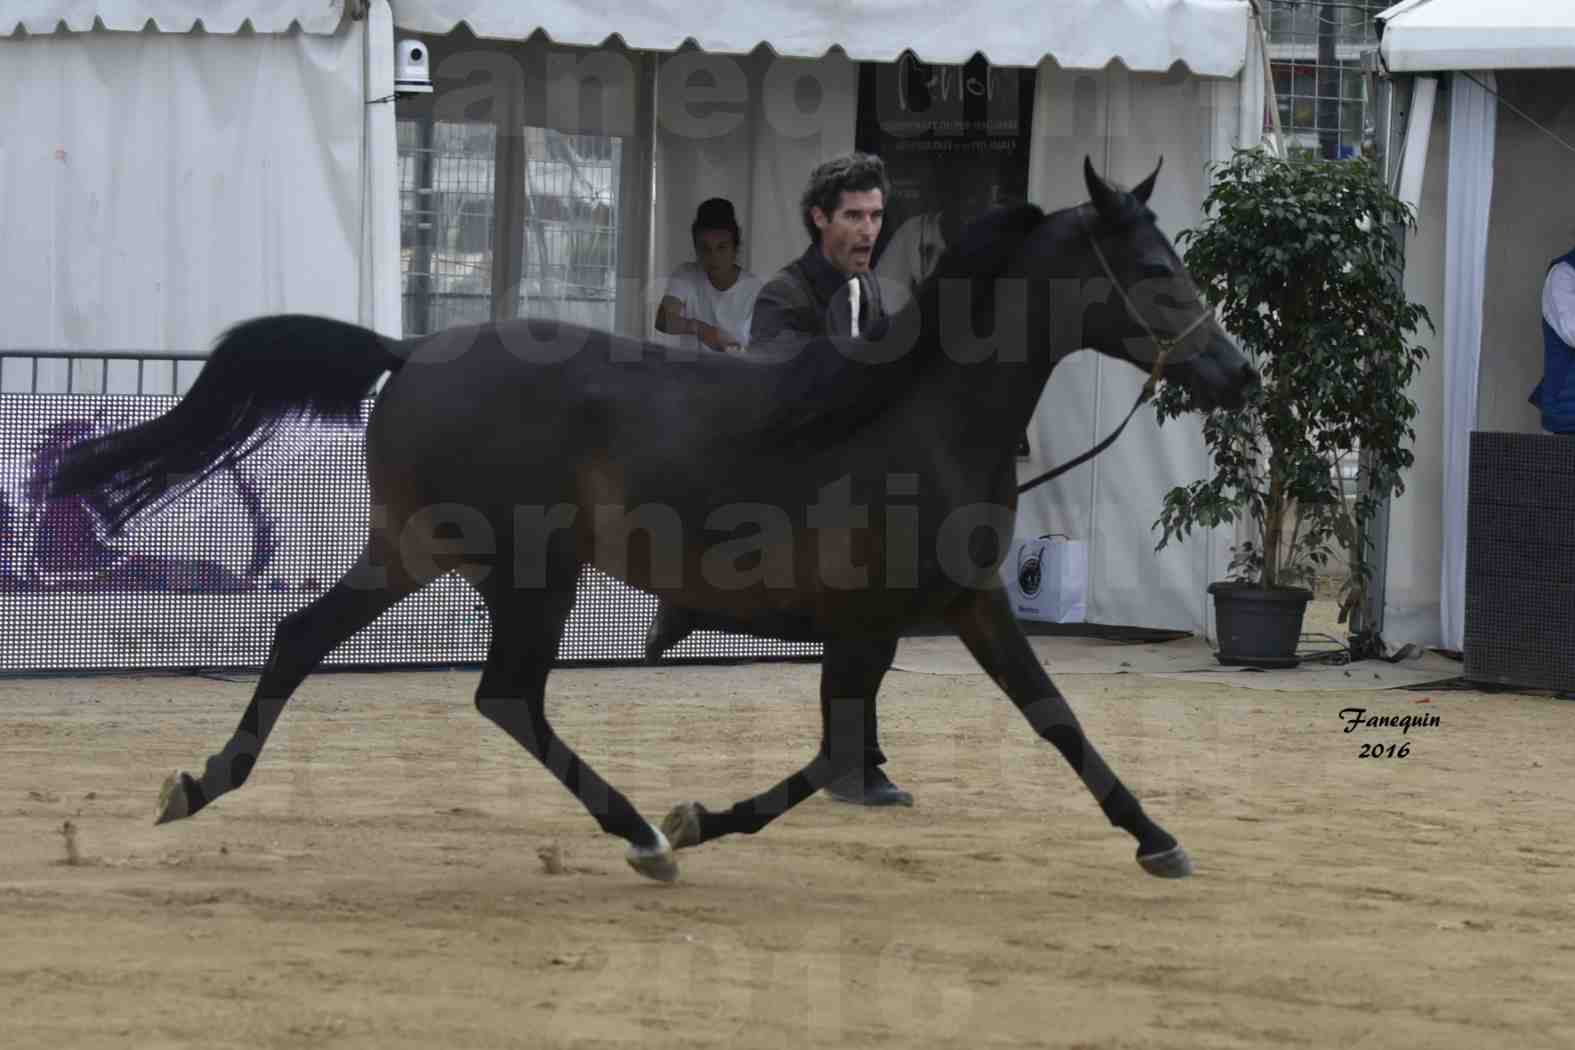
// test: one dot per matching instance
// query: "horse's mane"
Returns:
(827, 392)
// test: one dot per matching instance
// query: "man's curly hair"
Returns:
(853, 173)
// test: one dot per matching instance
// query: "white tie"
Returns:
(853, 300)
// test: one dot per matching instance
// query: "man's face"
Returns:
(716, 252)
(847, 235)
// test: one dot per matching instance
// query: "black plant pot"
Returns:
(1257, 626)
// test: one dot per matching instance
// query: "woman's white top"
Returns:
(728, 310)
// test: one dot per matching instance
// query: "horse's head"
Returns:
(1138, 300)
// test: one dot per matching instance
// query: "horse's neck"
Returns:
(980, 407)
(991, 401)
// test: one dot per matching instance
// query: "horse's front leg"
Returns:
(986, 625)
(850, 675)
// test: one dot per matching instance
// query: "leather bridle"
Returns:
(1165, 347)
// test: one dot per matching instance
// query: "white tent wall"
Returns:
(1472, 124)
(567, 162)
(1412, 575)
(158, 187)
(733, 126)
(737, 145)
(1531, 220)
(379, 306)
(1125, 122)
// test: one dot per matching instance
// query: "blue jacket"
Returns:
(1555, 395)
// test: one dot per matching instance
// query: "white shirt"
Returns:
(1558, 301)
(728, 310)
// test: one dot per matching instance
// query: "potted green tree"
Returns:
(1303, 261)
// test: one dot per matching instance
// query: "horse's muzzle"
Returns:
(1241, 383)
(1219, 377)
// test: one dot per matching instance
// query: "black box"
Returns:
(1520, 561)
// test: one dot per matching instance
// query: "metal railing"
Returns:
(1315, 49)
(128, 372)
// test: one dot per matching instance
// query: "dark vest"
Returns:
(1555, 395)
(871, 308)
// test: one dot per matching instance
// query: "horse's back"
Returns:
(538, 402)
(544, 403)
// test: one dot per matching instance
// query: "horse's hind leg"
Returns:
(527, 625)
(300, 642)
(987, 626)
(850, 674)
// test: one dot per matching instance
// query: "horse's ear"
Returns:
(1106, 200)
(1146, 187)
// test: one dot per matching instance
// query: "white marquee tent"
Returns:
(168, 168)
(1491, 180)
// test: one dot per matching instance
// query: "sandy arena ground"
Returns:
(379, 881)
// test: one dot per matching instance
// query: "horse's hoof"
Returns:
(654, 862)
(682, 825)
(1172, 863)
(173, 801)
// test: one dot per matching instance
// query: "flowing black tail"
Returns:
(262, 373)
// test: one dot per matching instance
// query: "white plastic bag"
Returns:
(1047, 579)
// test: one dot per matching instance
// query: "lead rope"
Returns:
(1165, 347)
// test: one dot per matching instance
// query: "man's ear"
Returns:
(820, 218)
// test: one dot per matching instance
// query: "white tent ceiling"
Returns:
(319, 17)
(1207, 36)
(1428, 35)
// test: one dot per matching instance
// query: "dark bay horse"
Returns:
(840, 493)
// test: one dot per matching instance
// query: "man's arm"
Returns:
(783, 315)
(672, 320)
(670, 311)
(1558, 302)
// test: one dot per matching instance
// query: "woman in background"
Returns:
(709, 301)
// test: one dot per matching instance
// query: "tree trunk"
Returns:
(1273, 529)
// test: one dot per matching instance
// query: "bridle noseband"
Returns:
(1165, 346)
